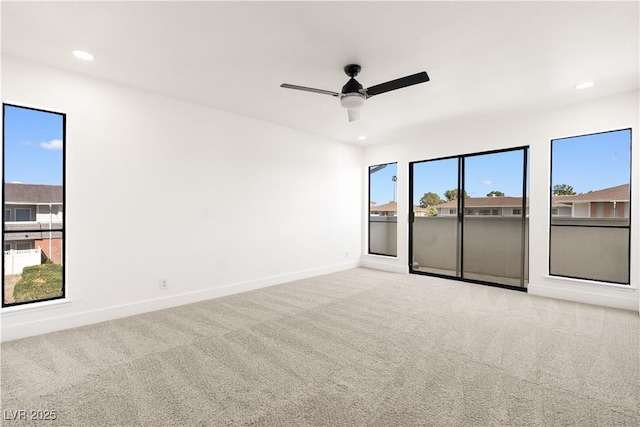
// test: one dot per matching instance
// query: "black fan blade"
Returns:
(309, 89)
(413, 79)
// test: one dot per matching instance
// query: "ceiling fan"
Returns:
(353, 94)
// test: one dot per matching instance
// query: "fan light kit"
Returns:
(353, 95)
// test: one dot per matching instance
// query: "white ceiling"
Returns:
(481, 56)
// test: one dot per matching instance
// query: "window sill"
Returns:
(34, 307)
(569, 280)
(382, 256)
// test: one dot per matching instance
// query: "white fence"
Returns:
(15, 261)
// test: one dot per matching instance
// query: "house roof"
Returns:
(481, 202)
(32, 193)
(388, 207)
(619, 193)
(393, 207)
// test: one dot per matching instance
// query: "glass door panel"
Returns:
(495, 218)
(435, 228)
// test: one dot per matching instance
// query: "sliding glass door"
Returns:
(470, 217)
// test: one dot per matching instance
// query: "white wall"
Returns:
(506, 130)
(158, 188)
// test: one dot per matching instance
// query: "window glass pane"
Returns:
(383, 209)
(590, 206)
(33, 154)
(23, 214)
(435, 230)
(495, 245)
(22, 246)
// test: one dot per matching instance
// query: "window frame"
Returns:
(369, 215)
(61, 230)
(551, 209)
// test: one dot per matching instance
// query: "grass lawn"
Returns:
(39, 282)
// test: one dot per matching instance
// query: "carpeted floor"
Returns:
(357, 348)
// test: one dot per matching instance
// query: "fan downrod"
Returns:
(352, 70)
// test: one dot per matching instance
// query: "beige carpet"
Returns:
(358, 348)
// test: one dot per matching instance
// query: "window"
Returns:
(383, 209)
(590, 187)
(33, 181)
(516, 211)
(23, 214)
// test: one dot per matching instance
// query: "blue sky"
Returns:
(590, 162)
(382, 184)
(32, 146)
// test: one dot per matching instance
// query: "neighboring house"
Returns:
(420, 211)
(33, 219)
(486, 206)
(610, 202)
(388, 209)
(391, 209)
(559, 207)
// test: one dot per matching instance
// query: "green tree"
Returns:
(453, 194)
(430, 199)
(432, 211)
(563, 190)
(495, 194)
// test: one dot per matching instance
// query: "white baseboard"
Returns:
(14, 328)
(626, 299)
(384, 266)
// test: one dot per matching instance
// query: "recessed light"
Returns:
(362, 138)
(81, 54)
(584, 85)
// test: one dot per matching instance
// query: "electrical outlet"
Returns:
(164, 284)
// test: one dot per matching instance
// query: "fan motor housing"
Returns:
(352, 86)
(352, 70)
